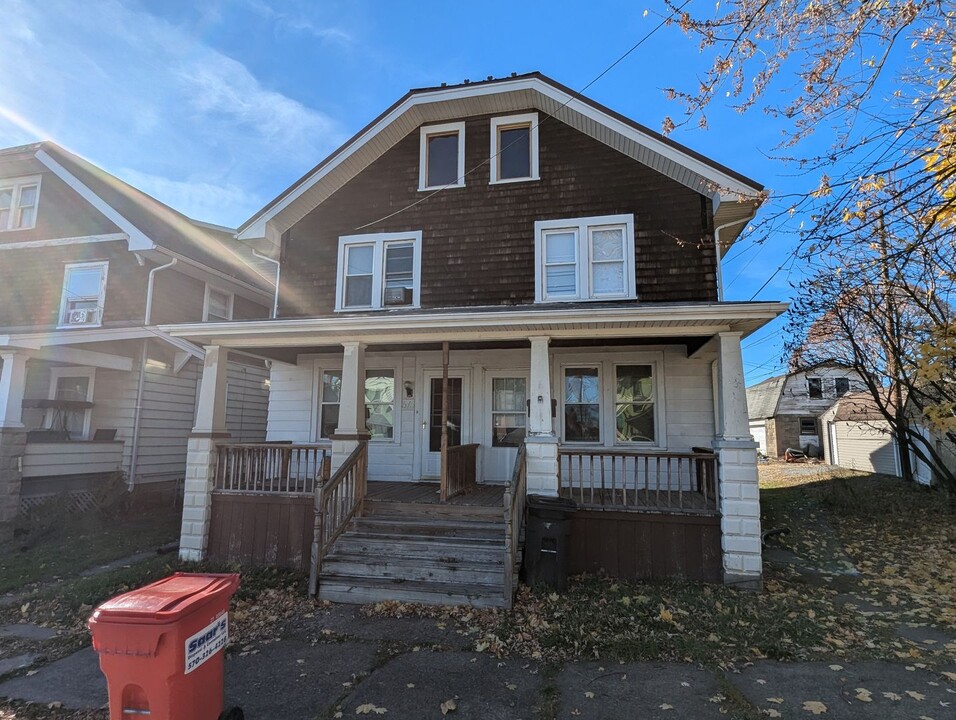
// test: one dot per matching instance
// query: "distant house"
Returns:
(785, 410)
(88, 385)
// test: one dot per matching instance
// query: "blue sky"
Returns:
(216, 106)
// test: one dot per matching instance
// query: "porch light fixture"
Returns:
(409, 388)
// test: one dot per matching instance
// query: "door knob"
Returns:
(424, 424)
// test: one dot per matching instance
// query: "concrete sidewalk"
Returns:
(341, 662)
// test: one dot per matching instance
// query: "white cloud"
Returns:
(130, 90)
(285, 21)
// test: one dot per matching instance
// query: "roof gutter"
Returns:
(720, 273)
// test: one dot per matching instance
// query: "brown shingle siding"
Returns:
(478, 241)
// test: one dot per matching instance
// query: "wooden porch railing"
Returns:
(650, 482)
(462, 470)
(515, 500)
(270, 468)
(337, 501)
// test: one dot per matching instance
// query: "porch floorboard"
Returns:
(427, 493)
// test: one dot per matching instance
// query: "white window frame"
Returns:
(583, 229)
(61, 372)
(16, 185)
(607, 382)
(205, 301)
(505, 122)
(322, 366)
(101, 300)
(379, 241)
(443, 129)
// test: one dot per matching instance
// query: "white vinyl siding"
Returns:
(866, 445)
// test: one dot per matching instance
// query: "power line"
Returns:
(574, 96)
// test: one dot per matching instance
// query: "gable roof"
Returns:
(763, 397)
(735, 196)
(147, 222)
(861, 407)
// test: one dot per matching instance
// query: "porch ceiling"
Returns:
(658, 321)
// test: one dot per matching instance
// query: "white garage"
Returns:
(859, 438)
(759, 432)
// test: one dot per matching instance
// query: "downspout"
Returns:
(141, 383)
(720, 274)
(275, 304)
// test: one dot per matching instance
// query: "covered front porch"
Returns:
(623, 410)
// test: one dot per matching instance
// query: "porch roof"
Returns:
(489, 324)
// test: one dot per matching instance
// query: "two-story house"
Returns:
(498, 289)
(785, 410)
(88, 386)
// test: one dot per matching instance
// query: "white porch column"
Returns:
(209, 430)
(13, 375)
(737, 456)
(541, 444)
(351, 427)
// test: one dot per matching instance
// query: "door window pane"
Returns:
(582, 405)
(380, 403)
(331, 397)
(634, 403)
(508, 411)
(514, 152)
(454, 414)
(442, 160)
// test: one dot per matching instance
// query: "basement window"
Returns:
(442, 156)
(808, 426)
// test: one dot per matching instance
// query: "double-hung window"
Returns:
(71, 389)
(585, 259)
(218, 305)
(612, 403)
(815, 388)
(378, 271)
(380, 403)
(84, 291)
(19, 198)
(514, 148)
(442, 156)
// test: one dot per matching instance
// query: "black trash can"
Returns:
(547, 546)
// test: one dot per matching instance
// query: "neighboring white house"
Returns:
(784, 410)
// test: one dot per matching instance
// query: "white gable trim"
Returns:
(726, 187)
(137, 240)
(54, 242)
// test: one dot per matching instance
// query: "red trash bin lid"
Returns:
(168, 600)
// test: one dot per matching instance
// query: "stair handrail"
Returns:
(337, 501)
(515, 498)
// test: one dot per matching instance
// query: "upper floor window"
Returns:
(841, 386)
(815, 388)
(514, 148)
(378, 271)
(84, 291)
(585, 258)
(18, 203)
(217, 305)
(442, 156)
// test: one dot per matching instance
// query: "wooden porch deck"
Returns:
(427, 493)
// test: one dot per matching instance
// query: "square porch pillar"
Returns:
(737, 457)
(13, 437)
(209, 430)
(541, 444)
(351, 429)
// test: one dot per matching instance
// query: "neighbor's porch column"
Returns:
(13, 437)
(737, 472)
(209, 430)
(541, 443)
(351, 429)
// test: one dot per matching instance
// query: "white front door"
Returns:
(505, 422)
(459, 431)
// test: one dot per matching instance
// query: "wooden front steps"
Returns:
(436, 554)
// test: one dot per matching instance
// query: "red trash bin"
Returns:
(161, 646)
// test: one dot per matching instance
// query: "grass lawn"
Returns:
(84, 542)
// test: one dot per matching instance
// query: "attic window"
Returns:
(18, 203)
(815, 388)
(841, 386)
(218, 305)
(442, 156)
(514, 148)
